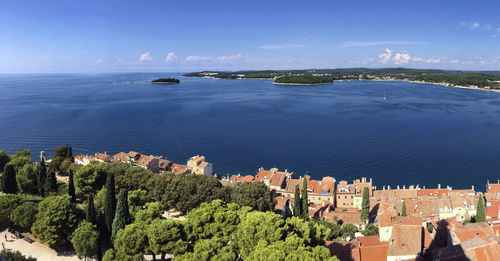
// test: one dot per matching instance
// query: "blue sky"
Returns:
(177, 36)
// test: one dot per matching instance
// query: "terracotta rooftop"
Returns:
(178, 168)
(405, 240)
(143, 160)
(122, 157)
(238, 178)
(494, 187)
(433, 192)
(471, 231)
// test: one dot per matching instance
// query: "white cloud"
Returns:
(194, 58)
(385, 57)
(497, 30)
(98, 61)
(473, 25)
(280, 46)
(229, 58)
(420, 59)
(401, 58)
(145, 57)
(375, 43)
(170, 57)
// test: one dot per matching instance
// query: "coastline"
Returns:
(367, 80)
(305, 84)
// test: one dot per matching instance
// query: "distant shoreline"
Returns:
(366, 80)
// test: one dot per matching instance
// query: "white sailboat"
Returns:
(385, 97)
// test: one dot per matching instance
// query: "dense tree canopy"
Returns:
(131, 242)
(122, 214)
(89, 179)
(255, 195)
(25, 214)
(9, 183)
(55, 220)
(8, 203)
(85, 240)
(167, 235)
(4, 159)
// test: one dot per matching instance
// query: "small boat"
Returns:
(130, 82)
(385, 97)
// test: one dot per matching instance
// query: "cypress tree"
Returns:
(122, 215)
(46, 187)
(71, 187)
(41, 177)
(9, 183)
(305, 201)
(90, 214)
(69, 152)
(297, 204)
(365, 205)
(4, 159)
(110, 202)
(53, 182)
(480, 210)
(403, 209)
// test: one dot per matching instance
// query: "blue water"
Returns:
(423, 134)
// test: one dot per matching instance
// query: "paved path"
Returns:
(35, 249)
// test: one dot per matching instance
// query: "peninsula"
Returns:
(485, 80)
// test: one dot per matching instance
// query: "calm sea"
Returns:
(423, 134)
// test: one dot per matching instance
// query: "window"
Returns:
(319, 198)
(328, 199)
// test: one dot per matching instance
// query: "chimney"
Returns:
(411, 187)
(439, 186)
(363, 179)
(472, 187)
(384, 187)
(398, 186)
(424, 187)
(388, 187)
(404, 186)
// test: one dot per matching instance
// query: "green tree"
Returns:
(152, 211)
(255, 195)
(55, 220)
(167, 235)
(133, 178)
(110, 201)
(10, 255)
(122, 215)
(26, 179)
(41, 176)
(403, 209)
(304, 199)
(25, 214)
(365, 205)
(9, 183)
(186, 192)
(50, 185)
(89, 179)
(90, 215)
(8, 203)
(110, 255)
(480, 210)
(131, 242)
(71, 187)
(297, 203)
(258, 226)
(214, 219)
(348, 230)
(137, 198)
(85, 240)
(370, 230)
(4, 159)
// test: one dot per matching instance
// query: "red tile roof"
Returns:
(405, 240)
(178, 168)
(122, 157)
(237, 178)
